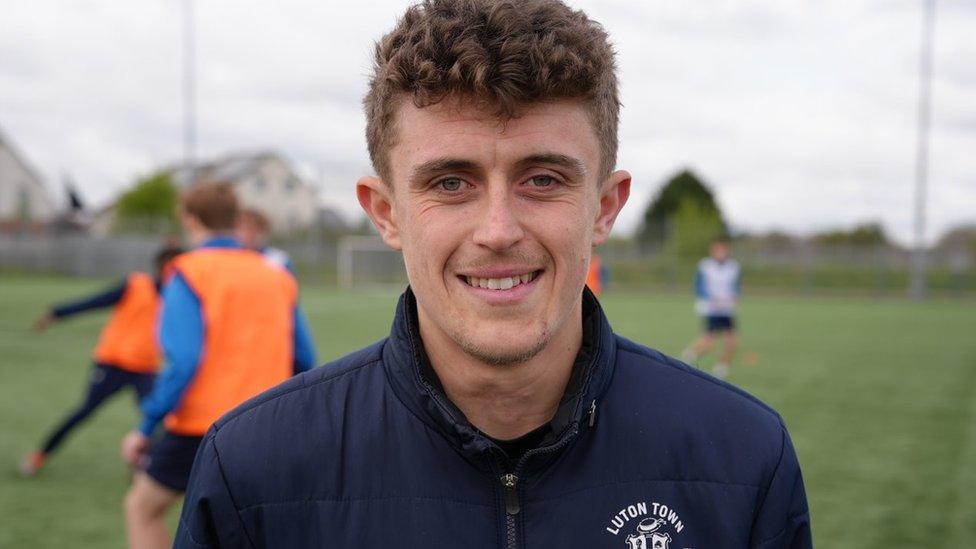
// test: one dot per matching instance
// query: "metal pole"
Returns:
(918, 288)
(189, 92)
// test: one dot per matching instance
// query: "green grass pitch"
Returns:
(880, 397)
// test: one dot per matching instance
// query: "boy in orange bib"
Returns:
(229, 329)
(127, 354)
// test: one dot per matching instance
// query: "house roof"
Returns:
(231, 167)
(18, 157)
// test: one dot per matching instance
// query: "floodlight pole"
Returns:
(918, 287)
(189, 92)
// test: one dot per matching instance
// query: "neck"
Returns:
(199, 236)
(505, 402)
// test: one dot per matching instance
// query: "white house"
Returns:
(264, 181)
(24, 200)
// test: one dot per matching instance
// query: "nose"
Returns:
(499, 227)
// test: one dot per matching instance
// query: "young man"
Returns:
(127, 354)
(252, 230)
(229, 329)
(502, 411)
(717, 283)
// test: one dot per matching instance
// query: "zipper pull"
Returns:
(592, 412)
(510, 483)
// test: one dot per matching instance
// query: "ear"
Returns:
(186, 219)
(376, 198)
(613, 195)
(193, 228)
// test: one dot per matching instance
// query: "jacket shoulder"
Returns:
(717, 431)
(669, 373)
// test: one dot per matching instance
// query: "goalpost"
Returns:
(366, 262)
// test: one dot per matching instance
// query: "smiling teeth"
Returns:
(506, 283)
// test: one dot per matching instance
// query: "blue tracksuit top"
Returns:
(644, 452)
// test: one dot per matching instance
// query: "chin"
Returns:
(501, 351)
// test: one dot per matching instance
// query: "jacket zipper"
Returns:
(510, 485)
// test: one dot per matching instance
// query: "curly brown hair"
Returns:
(505, 53)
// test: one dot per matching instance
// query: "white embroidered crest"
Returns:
(655, 524)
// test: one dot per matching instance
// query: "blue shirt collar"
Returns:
(221, 242)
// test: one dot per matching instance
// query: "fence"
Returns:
(803, 269)
(83, 255)
(77, 255)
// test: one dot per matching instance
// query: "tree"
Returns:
(772, 240)
(692, 228)
(959, 241)
(864, 234)
(149, 206)
(684, 189)
(959, 237)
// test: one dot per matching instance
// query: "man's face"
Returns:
(719, 251)
(497, 221)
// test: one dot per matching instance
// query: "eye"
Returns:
(450, 184)
(543, 181)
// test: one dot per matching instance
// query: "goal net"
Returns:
(366, 262)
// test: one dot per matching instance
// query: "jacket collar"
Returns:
(416, 385)
(221, 241)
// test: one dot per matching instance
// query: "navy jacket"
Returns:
(644, 453)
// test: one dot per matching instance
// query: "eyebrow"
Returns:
(554, 159)
(439, 165)
(448, 164)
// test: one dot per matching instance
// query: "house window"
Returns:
(24, 204)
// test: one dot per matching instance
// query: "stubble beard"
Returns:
(486, 353)
(501, 358)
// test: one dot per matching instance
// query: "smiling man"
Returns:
(501, 411)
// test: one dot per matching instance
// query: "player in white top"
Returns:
(717, 292)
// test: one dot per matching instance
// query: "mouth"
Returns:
(500, 283)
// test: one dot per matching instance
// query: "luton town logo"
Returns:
(655, 524)
(648, 536)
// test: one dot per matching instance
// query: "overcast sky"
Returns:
(800, 114)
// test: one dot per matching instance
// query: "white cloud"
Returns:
(801, 115)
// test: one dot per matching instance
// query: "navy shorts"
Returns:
(171, 458)
(722, 323)
(106, 379)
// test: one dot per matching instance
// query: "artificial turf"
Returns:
(879, 395)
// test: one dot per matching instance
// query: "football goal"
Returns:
(366, 262)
